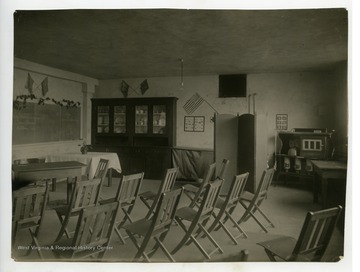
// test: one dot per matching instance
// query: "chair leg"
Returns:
(145, 201)
(186, 236)
(64, 222)
(121, 223)
(35, 242)
(167, 253)
(248, 214)
(141, 248)
(192, 238)
(266, 218)
(242, 232)
(215, 222)
(270, 255)
(190, 195)
(122, 240)
(217, 246)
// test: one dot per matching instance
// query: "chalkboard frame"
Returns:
(46, 123)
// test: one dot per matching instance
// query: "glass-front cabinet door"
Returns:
(159, 119)
(141, 119)
(103, 118)
(120, 119)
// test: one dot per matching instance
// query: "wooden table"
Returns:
(90, 160)
(32, 172)
(327, 170)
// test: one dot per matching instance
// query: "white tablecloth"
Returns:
(91, 159)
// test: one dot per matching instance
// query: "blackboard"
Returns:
(45, 123)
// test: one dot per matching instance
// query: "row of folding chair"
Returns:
(30, 203)
(198, 213)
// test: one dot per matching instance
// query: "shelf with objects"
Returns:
(140, 130)
(297, 148)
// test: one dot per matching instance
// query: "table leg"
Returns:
(316, 188)
(53, 181)
(69, 189)
(110, 177)
(324, 185)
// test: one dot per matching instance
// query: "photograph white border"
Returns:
(6, 77)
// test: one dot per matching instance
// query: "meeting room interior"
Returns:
(180, 135)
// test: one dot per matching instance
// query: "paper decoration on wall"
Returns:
(29, 84)
(193, 103)
(281, 121)
(44, 86)
(124, 88)
(144, 86)
(21, 101)
(194, 123)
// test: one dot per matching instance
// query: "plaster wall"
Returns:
(308, 98)
(61, 85)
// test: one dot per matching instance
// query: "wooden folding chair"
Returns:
(227, 205)
(100, 173)
(157, 227)
(223, 168)
(84, 195)
(126, 195)
(92, 235)
(313, 240)
(29, 205)
(151, 198)
(198, 219)
(190, 189)
(193, 192)
(251, 202)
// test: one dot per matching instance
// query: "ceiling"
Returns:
(106, 44)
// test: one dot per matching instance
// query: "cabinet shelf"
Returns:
(147, 151)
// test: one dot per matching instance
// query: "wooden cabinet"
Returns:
(252, 148)
(140, 130)
(297, 148)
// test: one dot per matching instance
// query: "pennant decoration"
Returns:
(124, 88)
(193, 103)
(44, 86)
(29, 84)
(144, 86)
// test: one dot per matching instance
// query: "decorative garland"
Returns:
(21, 100)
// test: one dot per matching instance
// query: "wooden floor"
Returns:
(286, 206)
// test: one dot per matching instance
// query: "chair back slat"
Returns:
(265, 182)
(165, 211)
(129, 188)
(28, 202)
(236, 189)
(210, 197)
(264, 185)
(316, 234)
(94, 228)
(29, 205)
(101, 169)
(85, 194)
(208, 176)
(167, 183)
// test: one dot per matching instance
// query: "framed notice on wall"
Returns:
(194, 123)
(281, 121)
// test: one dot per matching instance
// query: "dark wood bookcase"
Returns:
(141, 131)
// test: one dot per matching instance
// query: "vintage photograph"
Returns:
(180, 135)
